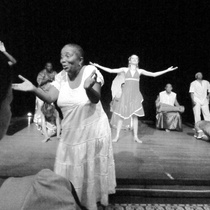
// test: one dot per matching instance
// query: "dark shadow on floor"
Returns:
(190, 134)
(16, 125)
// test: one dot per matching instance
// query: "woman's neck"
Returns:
(73, 75)
(133, 67)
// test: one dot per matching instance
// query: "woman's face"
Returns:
(134, 59)
(70, 61)
(5, 113)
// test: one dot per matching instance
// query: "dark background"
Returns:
(162, 32)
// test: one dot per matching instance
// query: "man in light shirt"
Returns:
(168, 110)
(199, 92)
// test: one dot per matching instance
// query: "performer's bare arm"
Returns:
(11, 59)
(192, 98)
(208, 96)
(156, 74)
(93, 88)
(157, 102)
(176, 103)
(116, 71)
(50, 96)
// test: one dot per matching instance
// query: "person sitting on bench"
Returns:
(168, 110)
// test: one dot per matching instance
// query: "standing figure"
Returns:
(84, 154)
(130, 103)
(199, 92)
(45, 190)
(44, 78)
(168, 110)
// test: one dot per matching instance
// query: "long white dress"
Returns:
(84, 154)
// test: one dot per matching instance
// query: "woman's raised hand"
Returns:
(26, 85)
(2, 47)
(172, 68)
(91, 80)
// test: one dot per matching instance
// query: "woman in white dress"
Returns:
(84, 154)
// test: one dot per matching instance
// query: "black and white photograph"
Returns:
(104, 105)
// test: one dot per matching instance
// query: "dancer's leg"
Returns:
(119, 126)
(131, 123)
(135, 129)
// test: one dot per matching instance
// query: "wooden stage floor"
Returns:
(161, 156)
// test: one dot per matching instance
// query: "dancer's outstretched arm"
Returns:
(26, 86)
(155, 74)
(116, 71)
(11, 59)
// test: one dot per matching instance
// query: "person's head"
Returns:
(168, 88)
(133, 60)
(72, 59)
(199, 76)
(48, 109)
(5, 97)
(49, 66)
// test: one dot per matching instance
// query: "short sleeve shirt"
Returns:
(200, 90)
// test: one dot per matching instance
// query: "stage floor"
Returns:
(161, 156)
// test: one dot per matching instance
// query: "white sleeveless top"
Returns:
(69, 97)
(167, 98)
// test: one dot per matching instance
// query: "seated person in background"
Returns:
(44, 78)
(49, 122)
(45, 190)
(168, 110)
(202, 130)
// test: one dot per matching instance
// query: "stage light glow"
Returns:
(29, 114)
(29, 118)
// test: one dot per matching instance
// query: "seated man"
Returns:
(168, 110)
